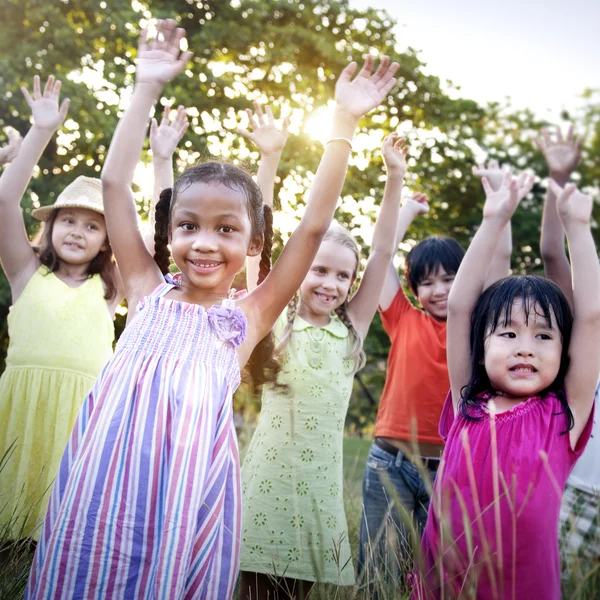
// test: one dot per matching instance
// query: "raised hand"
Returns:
(160, 60)
(9, 152)
(165, 137)
(394, 154)
(367, 90)
(502, 203)
(561, 154)
(47, 114)
(494, 173)
(264, 133)
(571, 204)
(418, 203)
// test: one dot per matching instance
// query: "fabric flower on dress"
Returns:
(229, 323)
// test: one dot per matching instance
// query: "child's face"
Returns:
(327, 284)
(211, 234)
(522, 358)
(78, 235)
(432, 293)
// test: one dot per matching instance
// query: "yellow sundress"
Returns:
(60, 339)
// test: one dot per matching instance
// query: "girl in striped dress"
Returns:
(147, 500)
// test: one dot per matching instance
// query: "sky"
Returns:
(543, 54)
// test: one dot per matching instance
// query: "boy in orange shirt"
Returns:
(406, 429)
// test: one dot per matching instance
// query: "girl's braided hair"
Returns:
(262, 366)
(338, 234)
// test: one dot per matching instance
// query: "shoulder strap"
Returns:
(162, 289)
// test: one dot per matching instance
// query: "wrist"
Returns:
(160, 159)
(271, 154)
(395, 173)
(46, 131)
(562, 177)
(148, 89)
(344, 124)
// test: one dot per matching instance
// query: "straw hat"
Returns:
(84, 192)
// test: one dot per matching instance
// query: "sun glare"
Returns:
(318, 124)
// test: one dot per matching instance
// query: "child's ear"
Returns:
(256, 246)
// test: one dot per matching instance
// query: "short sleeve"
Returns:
(396, 310)
(447, 417)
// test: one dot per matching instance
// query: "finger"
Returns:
(388, 77)
(386, 88)
(555, 188)
(559, 135)
(251, 120)
(156, 43)
(27, 95)
(56, 88)
(165, 116)
(347, 74)
(175, 41)
(143, 41)
(48, 86)
(36, 87)
(537, 142)
(183, 60)
(570, 133)
(183, 129)
(546, 136)
(506, 180)
(367, 67)
(285, 125)
(181, 117)
(153, 128)
(578, 143)
(493, 164)
(245, 133)
(382, 70)
(270, 118)
(259, 112)
(64, 109)
(487, 188)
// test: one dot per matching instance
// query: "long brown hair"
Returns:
(262, 366)
(338, 234)
(102, 264)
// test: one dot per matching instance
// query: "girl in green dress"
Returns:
(294, 530)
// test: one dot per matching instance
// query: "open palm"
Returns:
(45, 108)
(160, 60)
(561, 154)
(367, 90)
(571, 204)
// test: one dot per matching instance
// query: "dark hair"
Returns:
(262, 365)
(539, 296)
(102, 264)
(428, 255)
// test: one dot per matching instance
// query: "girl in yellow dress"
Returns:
(65, 291)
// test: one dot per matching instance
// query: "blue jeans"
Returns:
(385, 542)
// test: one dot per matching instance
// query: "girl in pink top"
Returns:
(523, 372)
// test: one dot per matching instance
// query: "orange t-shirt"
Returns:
(417, 380)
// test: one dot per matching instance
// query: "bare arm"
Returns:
(156, 66)
(354, 98)
(417, 205)
(163, 143)
(562, 156)
(19, 261)
(270, 141)
(471, 276)
(575, 210)
(363, 305)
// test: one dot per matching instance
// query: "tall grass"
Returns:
(394, 584)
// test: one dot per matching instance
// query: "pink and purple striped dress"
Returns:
(147, 500)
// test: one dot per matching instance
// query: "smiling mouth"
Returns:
(204, 266)
(326, 298)
(523, 369)
(73, 245)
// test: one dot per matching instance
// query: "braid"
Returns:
(292, 310)
(356, 350)
(162, 217)
(265, 257)
(263, 366)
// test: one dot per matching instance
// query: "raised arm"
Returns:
(164, 139)
(363, 305)
(18, 259)
(562, 156)
(9, 152)
(354, 98)
(157, 63)
(500, 265)
(416, 205)
(270, 141)
(471, 276)
(575, 212)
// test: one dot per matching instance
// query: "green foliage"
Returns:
(282, 51)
